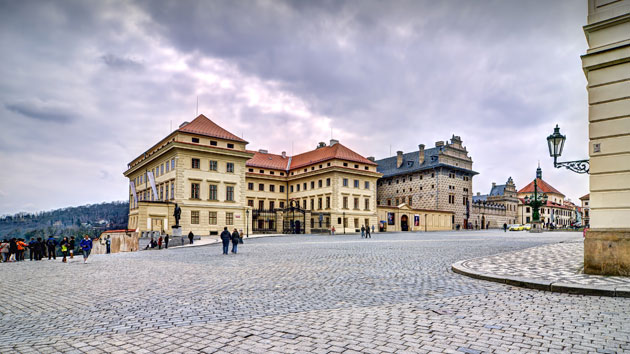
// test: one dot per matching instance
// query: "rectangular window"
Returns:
(230, 146)
(229, 218)
(272, 205)
(166, 188)
(298, 187)
(389, 202)
(320, 183)
(327, 202)
(272, 187)
(173, 164)
(161, 192)
(345, 202)
(304, 204)
(319, 203)
(212, 218)
(250, 186)
(194, 217)
(304, 185)
(172, 190)
(397, 202)
(168, 166)
(261, 204)
(213, 165)
(281, 189)
(229, 167)
(229, 194)
(345, 182)
(367, 203)
(195, 163)
(312, 204)
(312, 184)
(356, 203)
(367, 185)
(195, 140)
(213, 192)
(410, 201)
(261, 187)
(250, 203)
(161, 169)
(213, 143)
(194, 191)
(291, 189)
(327, 182)
(356, 183)
(281, 205)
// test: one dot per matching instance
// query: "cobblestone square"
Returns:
(311, 294)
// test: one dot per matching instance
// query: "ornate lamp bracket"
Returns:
(580, 166)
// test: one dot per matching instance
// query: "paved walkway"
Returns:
(555, 267)
(209, 240)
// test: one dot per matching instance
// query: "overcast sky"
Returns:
(85, 86)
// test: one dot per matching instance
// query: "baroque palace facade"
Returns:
(209, 173)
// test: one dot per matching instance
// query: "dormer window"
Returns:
(409, 163)
(195, 140)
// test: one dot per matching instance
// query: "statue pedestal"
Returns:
(177, 231)
(536, 227)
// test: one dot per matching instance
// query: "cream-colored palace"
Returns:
(209, 173)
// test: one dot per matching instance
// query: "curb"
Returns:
(544, 285)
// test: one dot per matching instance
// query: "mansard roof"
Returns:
(497, 190)
(411, 163)
(204, 126)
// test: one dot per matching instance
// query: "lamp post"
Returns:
(247, 222)
(536, 201)
(555, 142)
(343, 222)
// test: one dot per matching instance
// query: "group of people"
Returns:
(226, 237)
(365, 231)
(153, 243)
(14, 250)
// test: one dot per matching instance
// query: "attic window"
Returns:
(262, 171)
(366, 168)
(251, 170)
(281, 173)
(230, 146)
(195, 140)
(345, 164)
(271, 173)
(409, 163)
(213, 143)
(356, 166)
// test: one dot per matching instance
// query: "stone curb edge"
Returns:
(545, 285)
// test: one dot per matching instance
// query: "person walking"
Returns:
(22, 246)
(362, 231)
(191, 236)
(64, 249)
(108, 244)
(504, 227)
(166, 241)
(332, 231)
(86, 247)
(71, 246)
(160, 242)
(372, 230)
(41, 248)
(225, 238)
(12, 249)
(367, 232)
(51, 243)
(235, 239)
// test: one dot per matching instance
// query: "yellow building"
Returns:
(405, 218)
(208, 172)
(606, 65)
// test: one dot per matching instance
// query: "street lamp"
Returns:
(556, 144)
(343, 222)
(247, 222)
(536, 201)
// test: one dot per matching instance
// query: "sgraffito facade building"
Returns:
(496, 208)
(437, 178)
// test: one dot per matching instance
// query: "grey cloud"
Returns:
(120, 63)
(47, 111)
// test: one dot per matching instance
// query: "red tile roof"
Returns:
(266, 160)
(337, 151)
(204, 126)
(542, 186)
(586, 197)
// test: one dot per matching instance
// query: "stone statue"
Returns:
(177, 214)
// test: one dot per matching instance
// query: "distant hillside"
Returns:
(91, 219)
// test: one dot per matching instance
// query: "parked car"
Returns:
(527, 227)
(515, 227)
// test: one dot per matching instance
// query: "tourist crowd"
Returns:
(14, 250)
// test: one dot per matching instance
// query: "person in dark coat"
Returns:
(367, 232)
(86, 247)
(225, 238)
(41, 249)
(166, 241)
(504, 227)
(191, 236)
(235, 240)
(51, 243)
(71, 246)
(13, 251)
(32, 249)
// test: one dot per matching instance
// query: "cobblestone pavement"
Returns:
(560, 263)
(311, 294)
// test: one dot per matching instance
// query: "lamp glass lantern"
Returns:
(556, 143)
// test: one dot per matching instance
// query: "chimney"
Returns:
(333, 142)
(478, 193)
(183, 124)
(321, 145)
(371, 158)
(399, 159)
(421, 154)
(439, 143)
(284, 154)
(263, 151)
(494, 184)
